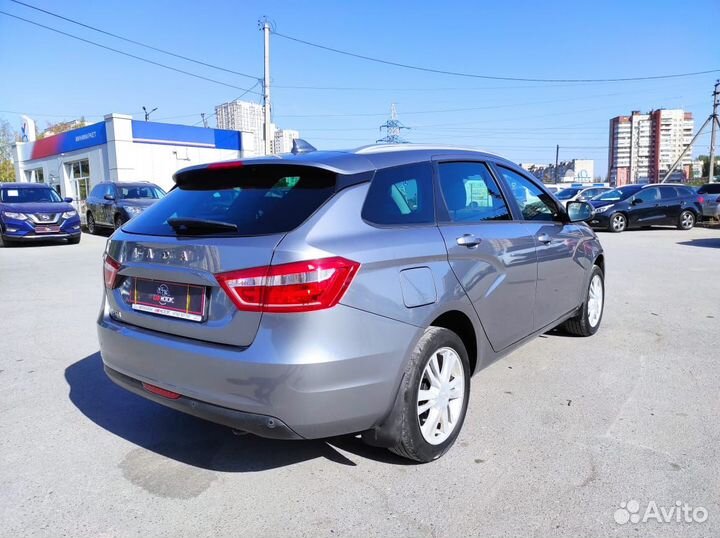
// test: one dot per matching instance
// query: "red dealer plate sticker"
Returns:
(172, 299)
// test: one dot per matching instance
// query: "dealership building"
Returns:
(122, 149)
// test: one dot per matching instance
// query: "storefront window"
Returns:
(35, 176)
(79, 173)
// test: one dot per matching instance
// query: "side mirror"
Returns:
(579, 211)
(68, 200)
(109, 197)
(637, 201)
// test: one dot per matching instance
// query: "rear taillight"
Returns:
(291, 287)
(702, 200)
(110, 271)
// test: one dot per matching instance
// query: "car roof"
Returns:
(25, 185)
(367, 158)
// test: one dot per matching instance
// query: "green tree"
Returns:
(706, 165)
(7, 137)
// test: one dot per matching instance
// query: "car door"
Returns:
(560, 270)
(107, 211)
(671, 203)
(93, 204)
(645, 208)
(492, 255)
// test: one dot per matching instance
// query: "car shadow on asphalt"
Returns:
(707, 242)
(191, 440)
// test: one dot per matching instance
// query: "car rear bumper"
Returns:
(315, 375)
(711, 211)
(262, 425)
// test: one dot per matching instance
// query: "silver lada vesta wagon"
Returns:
(317, 293)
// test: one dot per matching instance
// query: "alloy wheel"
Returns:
(595, 300)
(91, 223)
(441, 395)
(687, 220)
(618, 223)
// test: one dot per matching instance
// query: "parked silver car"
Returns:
(325, 293)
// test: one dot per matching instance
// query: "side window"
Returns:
(649, 195)
(470, 193)
(401, 195)
(98, 191)
(534, 203)
(668, 193)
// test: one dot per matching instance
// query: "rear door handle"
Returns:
(544, 238)
(468, 240)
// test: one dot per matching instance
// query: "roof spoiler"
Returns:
(301, 146)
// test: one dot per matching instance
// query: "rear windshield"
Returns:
(713, 188)
(247, 201)
(26, 195)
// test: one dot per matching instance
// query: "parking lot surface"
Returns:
(557, 435)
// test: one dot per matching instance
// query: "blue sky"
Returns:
(53, 77)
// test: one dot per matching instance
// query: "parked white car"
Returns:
(580, 194)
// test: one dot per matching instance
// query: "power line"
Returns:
(146, 60)
(488, 77)
(134, 42)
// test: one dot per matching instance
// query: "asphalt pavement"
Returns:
(557, 436)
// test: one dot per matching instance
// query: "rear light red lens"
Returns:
(702, 200)
(291, 287)
(110, 272)
(160, 391)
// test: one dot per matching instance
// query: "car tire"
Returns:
(118, 221)
(91, 225)
(686, 220)
(618, 223)
(427, 435)
(587, 322)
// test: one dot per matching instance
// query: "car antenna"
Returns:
(301, 146)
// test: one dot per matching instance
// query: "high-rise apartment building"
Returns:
(249, 117)
(283, 141)
(243, 116)
(643, 147)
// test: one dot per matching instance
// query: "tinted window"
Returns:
(566, 194)
(26, 195)
(98, 191)
(685, 191)
(133, 192)
(668, 193)
(649, 195)
(258, 199)
(713, 188)
(471, 194)
(401, 195)
(618, 194)
(534, 203)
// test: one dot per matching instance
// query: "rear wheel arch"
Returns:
(600, 262)
(459, 323)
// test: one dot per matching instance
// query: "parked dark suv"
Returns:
(634, 206)
(112, 204)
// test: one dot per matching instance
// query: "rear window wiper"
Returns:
(187, 224)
